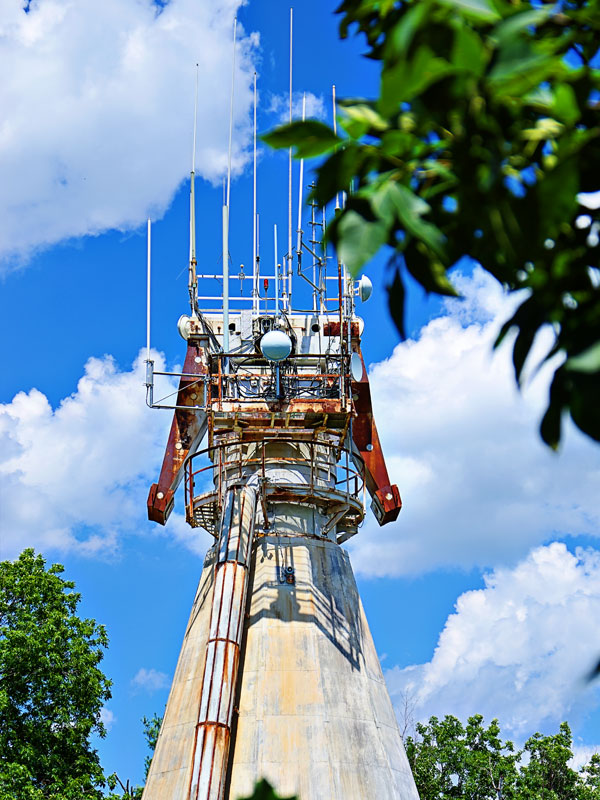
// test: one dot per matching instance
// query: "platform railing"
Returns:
(324, 466)
(248, 379)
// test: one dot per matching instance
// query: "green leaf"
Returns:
(360, 118)
(396, 297)
(401, 34)
(588, 361)
(469, 52)
(557, 197)
(480, 10)
(410, 208)
(336, 173)
(550, 426)
(404, 80)
(565, 104)
(506, 30)
(357, 239)
(429, 273)
(309, 137)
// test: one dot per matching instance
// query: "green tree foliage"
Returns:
(485, 131)
(264, 791)
(51, 687)
(151, 731)
(472, 762)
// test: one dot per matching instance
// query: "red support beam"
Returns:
(187, 427)
(386, 502)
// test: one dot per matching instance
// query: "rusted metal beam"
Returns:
(187, 430)
(386, 501)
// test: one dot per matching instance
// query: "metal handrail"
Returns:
(351, 483)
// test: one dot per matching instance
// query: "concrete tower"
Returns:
(278, 676)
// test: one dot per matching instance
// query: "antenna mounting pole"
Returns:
(148, 294)
(289, 256)
(226, 211)
(192, 279)
(300, 187)
(254, 221)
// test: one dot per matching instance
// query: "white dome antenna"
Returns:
(364, 288)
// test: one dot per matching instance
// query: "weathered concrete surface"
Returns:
(171, 769)
(315, 717)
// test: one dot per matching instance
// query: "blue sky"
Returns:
(483, 597)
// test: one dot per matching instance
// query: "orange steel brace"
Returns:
(386, 503)
(186, 428)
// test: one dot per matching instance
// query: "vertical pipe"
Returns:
(148, 293)
(254, 221)
(289, 258)
(213, 731)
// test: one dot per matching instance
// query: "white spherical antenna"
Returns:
(365, 288)
(356, 367)
(276, 345)
(183, 326)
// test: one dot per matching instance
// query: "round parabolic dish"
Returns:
(276, 345)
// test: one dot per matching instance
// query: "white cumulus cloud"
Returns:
(77, 477)
(150, 680)
(519, 649)
(280, 106)
(107, 717)
(479, 487)
(97, 106)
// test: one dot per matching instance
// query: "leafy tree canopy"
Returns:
(483, 137)
(51, 687)
(472, 762)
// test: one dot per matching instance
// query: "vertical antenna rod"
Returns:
(300, 187)
(289, 257)
(254, 222)
(192, 280)
(276, 271)
(226, 210)
(148, 296)
(337, 195)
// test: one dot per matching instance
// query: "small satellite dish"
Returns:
(276, 345)
(356, 367)
(183, 326)
(365, 288)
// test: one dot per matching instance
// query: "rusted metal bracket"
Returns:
(386, 502)
(187, 431)
(333, 520)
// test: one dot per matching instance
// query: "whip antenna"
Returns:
(289, 256)
(226, 210)
(192, 279)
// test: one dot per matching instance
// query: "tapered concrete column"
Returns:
(315, 717)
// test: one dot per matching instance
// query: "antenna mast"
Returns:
(254, 220)
(289, 256)
(192, 279)
(148, 297)
(226, 210)
(300, 187)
